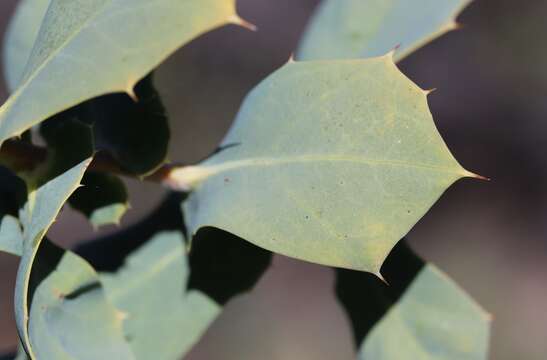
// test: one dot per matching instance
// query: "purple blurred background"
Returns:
(491, 109)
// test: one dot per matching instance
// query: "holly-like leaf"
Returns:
(139, 151)
(333, 163)
(164, 320)
(433, 320)
(59, 73)
(349, 29)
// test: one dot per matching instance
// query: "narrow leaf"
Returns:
(349, 29)
(39, 212)
(333, 162)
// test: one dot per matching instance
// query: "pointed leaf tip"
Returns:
(238, 20)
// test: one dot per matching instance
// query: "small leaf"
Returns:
(59, 73)
(433, 320)
(103, 198)
(163, 320)
(349, 29)
(333, 163)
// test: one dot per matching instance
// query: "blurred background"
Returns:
(491, 108)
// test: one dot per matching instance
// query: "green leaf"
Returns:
(163, 320)
(59, 73)
(434, 320)
(334, 162)
(103, 198)
(348, 29)
(70, 316)
(20, 36)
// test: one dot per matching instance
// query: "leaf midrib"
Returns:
(215, 169)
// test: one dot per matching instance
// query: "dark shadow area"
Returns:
(134, 132)
(366, 298)
(224, 265)
(13, 193)
(109, 252)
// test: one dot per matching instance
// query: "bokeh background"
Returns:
(491, 108)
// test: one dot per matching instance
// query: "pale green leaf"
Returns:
(70, 316)
(333, 163)
(54, 318)
(347, 29)
(434, 320)
(20, 37)
(131, 36)
(163, 320)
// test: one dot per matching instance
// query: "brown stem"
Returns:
(22, 156)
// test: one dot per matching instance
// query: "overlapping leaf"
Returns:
(64, 70)
(348, 29)
(163, 320)
(170, 300)
(335, 161)
(434, 320)
(419, 312)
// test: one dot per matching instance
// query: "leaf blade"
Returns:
(315, 139)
